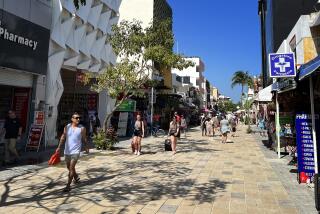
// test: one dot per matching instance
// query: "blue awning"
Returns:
(309, 67)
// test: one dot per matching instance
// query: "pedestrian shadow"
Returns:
(134, 181)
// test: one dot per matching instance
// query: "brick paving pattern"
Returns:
(205, 176)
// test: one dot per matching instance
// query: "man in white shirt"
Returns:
(73, 136)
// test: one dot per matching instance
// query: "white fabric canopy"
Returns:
(264, 95)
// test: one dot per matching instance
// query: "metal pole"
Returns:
(262, 11)
(314, 136)
(278, 125)
(151, 114)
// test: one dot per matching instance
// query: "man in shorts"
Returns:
(73, 136)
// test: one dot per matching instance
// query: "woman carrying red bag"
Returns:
(73, 136)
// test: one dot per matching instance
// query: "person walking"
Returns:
(183, 126)
(13, 130)
(97, 123)
(233, 124)
(215, 123)
(208, 126)
(261, 126)
(138, 134)
(73, 136)
(174, 129)
(203, 125)
(224, 128)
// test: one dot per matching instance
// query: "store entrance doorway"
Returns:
(17, 99)
(76, 97)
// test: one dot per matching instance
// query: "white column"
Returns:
(314, 134)
(278, 126)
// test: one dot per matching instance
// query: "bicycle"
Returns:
(157, 132)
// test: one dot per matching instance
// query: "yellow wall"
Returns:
(310, 51)
(215, 93)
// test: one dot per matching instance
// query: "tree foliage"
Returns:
(137, 50)
(227, 106)
(242, 78)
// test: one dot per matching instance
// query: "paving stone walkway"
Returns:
(205, 176)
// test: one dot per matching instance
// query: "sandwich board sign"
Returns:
(282, 65)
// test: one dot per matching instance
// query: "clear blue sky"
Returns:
(225, 34)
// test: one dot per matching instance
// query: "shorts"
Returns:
(74, 157)
(173, 134)
(137, 133)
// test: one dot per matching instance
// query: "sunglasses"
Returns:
(77, 118)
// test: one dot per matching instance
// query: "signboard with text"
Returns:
(21, 104)
(282, 65)
(34, 137)
(128, 106)
(304, 139)
(24, 45)
(38, 118)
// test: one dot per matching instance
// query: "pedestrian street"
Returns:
(205, 176)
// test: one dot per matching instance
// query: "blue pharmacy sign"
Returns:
(305, 150)
(282, 65)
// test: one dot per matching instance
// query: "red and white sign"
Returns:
(21, 104)
(38, 118)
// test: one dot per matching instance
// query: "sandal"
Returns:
(76, 180)
(67, 189)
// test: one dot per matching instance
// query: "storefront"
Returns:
(23, 62)
(76, 97)
(289, 100)
(310, 78)
(299, 107)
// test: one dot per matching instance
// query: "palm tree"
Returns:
(241, 78)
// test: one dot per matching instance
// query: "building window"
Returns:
(198, 82)
(186, 80)
(178, 79)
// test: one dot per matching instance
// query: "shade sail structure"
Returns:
(308, 68)
(264, 95)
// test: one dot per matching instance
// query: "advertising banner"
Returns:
(21, 104)
(304, 139)
(34, 137)
(38, 118)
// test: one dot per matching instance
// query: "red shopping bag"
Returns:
(55, 159)
(303, 177)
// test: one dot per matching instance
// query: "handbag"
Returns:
(54, 159)
(167, 145)
(132, 147)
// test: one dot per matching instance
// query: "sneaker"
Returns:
(138, 153)
(135, 152)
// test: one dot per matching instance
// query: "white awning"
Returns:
(264, 95)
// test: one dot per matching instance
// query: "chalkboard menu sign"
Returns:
(305, 149)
